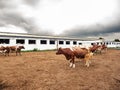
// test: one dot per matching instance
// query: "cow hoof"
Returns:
(88, 65)
(71, 64)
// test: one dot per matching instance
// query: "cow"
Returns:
(104, 47)
(70, 54)
(98, 48)
(83, 53)
(94, 48)
(4, 50)
(16, 49)
(7, 51)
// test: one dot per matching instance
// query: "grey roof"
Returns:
(26, 35)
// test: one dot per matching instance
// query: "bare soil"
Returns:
(48, 71)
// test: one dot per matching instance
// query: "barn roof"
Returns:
(26, 35)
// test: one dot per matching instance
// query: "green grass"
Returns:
(38, 50)
(118, 48)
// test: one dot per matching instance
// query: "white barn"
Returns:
(112, 44)
(31, 42)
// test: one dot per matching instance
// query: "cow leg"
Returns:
(5, 52)
(16, 53)
(87, 61)
(73, 61)
(19, 53)
(71, 64)
(105, 49)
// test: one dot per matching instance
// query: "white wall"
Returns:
(47, 46)
(112, 44)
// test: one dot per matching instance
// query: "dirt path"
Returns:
(48, 71)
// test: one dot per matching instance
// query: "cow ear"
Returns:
(60, 48)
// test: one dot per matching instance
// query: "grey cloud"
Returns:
(7, 4)
(35, 2)
(8, 15)
(16, 19)
(2, 3)
(32, 2)
(95, 30)
(12, 18)
(19, 20)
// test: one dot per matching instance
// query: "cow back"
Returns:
(80, 52)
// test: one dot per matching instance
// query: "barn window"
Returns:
(97, 43)
(101, 43)
(32, 41)
(52, 42)
(61, 42)
(43, 41)
(20, 41)
(92, 43)
(113, 43)
(4, 41)
(67, 42)
(110, 43)
(107, 43)
(74, 42)
(80, 43)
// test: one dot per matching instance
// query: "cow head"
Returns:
(59, 51)
(21, 47)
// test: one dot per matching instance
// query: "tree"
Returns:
(101, 38)
(117, 40)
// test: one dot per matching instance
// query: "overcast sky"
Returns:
(72, 18)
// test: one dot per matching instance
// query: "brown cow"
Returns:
(84, 53)
(7, 50)
(104, 47)
(4, 50)
(94, 48)
(98, 48)
(75, 52)
(68, 53)
(17, 49)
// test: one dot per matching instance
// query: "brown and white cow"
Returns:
(16, 49)
(4, 50)
(98, 48)
(70, 54)
(104, 47)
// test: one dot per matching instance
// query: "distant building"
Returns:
(112, 44)
(31, 41)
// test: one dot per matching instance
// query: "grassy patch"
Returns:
(36, 50)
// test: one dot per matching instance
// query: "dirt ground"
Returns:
(48, 71)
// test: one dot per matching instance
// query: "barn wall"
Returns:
(48, 46)
(113, 44)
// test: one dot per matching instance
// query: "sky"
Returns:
(71, 18)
